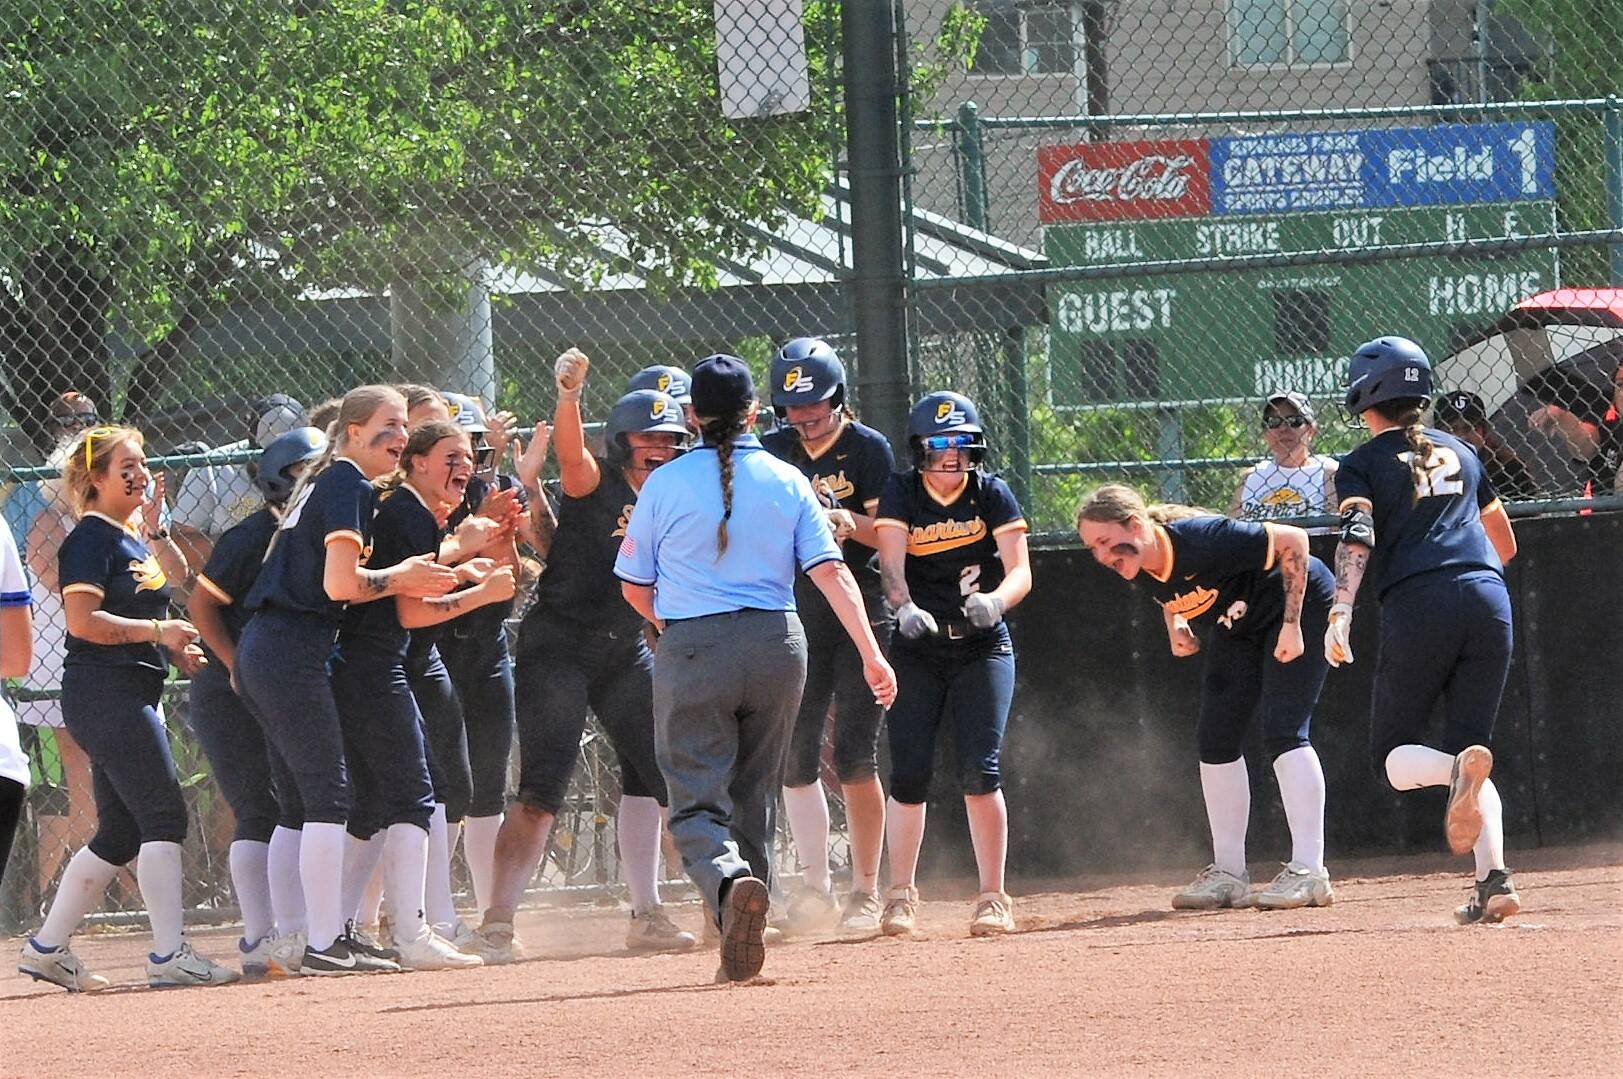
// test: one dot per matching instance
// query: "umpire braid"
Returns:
(720, 433)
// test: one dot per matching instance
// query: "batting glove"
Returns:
(982, 610)
(1337, 638)
(569, 374)
(914, 621)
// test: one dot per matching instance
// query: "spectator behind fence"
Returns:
(1584, 416)
(1463, 415)
(214, 498)
(1293, 481)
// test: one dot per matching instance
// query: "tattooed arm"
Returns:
(416, 613)
(1352, 559)
(345, 580)
(1290, 552)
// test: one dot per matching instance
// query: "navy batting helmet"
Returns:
(297, 446)
(942, 421)
(664, 379)
(1387, 369)
(805, 371)
(640, 412)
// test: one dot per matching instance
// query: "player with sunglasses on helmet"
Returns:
(953, 558)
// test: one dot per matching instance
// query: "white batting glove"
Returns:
(914, 621)
(1338, 637)
(569, 374)
(982, 610)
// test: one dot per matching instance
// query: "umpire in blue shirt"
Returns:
(710, 558)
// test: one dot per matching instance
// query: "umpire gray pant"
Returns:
(726, 691)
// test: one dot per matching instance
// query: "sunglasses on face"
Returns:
(939, 443)
(1274, 423)
(77, 419)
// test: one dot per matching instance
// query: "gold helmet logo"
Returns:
(943, 410)
(657, 411)
(790, 378)
(453, 408)
(664, 383)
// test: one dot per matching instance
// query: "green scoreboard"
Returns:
(1210, 335)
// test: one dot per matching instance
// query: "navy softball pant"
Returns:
(283, 669)
(12, 796)
(475, 651)
(235, 746)
(564, 668)
(442, 731)
(1443, 635)
(1242, 679)
(383, 738)
(973, 679)
(834, 676)
(112, 711)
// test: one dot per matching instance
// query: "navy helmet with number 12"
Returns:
(1387, 369)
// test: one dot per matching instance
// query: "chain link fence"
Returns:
(1126, 224)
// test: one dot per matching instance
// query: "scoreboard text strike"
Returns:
(1243, 334)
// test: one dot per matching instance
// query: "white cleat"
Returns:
(430, 951)
(1213, 889)
(59, 966)
(653, 931)
(186, 967)
(256, 959)
(1297, 886)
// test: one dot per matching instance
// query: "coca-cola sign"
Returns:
(1115, 181)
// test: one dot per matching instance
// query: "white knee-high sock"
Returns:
(84, 885)
(157, 871)
(904, 835)
(1227, 789)
(361, 857)
(1490, 845)
(405, 860)
(372, 896)
(321, 868)
(807, 808)
(250, 879)
(479, 848)
(286, 890)
(1412, 767)
(438, 906)
(1301, 789)
(636, 830)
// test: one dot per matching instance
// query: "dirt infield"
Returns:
(1102, 978)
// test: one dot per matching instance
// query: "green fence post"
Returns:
(1614, 182)
(973, 154)
(1018, 410)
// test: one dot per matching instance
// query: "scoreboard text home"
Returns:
(1241, 334)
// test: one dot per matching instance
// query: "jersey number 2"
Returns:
(1441, 476)
(969, 580)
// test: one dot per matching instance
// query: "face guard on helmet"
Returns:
(806, 371)
(274, 475)
(1387, 369)
(945, 421)
(641, 412)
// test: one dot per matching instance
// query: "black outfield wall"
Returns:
(1100, 766)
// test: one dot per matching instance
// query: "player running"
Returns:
(848, 464)
(952, 553)
(1417, 507)
(1259, 591)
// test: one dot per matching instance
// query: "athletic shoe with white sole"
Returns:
(186, 967)
(1462, 823)
(458, 932)
(653, 931)
(59, 966)
(862, 913)
(1297, 886)
(430, 951)
(338, 959)
(901, 915)
(994, 915)
(1492, 900)
(743, 924)
(361, 943)
(495, 943)
(256, 958)
(811, 912)
(286, 956)
(1213, 889)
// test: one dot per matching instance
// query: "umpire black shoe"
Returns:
(1493, 900)
(743, 925)
(362, 944)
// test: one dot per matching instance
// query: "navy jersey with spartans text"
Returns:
(1225, 573)
(951, 542)
(1422, 527)
(105, 559)
(854, 468)
(403, 527)
(234, 565)
(579, 582)
(337, 506)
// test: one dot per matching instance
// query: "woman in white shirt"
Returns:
(1292, 481)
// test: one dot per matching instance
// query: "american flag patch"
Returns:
(628, 547)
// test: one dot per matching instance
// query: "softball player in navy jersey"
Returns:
(383, 729)
(316, 565)
(1259, 591)
(581, 645)
(115, 589)
(952, 552)
(231, 738)
(16, 656)
(1418, 509)
(848, 464)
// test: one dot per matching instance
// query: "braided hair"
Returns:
(1406, 413)
(720, 432)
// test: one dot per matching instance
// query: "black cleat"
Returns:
(362, 944)
(1493, 900)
